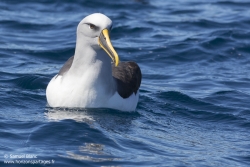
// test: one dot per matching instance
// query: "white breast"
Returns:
(61, 93)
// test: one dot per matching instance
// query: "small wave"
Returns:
(32, 81)
(194, 108)
(232, 3)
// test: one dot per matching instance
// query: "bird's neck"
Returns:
(93, 65)
(86, 57)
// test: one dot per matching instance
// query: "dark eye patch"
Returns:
(92, 26)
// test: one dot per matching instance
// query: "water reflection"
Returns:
(91, 152)
(94, 145)
(92, 148)
(108, 119)
(59, 114)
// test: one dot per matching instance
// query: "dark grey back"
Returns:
(66, 66)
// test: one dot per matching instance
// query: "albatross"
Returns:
(94, 77)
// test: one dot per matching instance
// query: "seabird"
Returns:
(89, 79)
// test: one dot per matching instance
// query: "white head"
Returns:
(93, 31)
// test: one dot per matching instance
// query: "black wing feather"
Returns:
(128, 78)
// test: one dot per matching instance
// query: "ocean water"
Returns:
(194, 106)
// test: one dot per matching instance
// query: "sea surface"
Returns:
(194, 106)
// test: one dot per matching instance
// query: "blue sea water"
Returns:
(194, 106)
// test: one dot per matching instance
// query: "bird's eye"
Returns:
(92, 26)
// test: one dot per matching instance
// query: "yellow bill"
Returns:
(105, 43)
